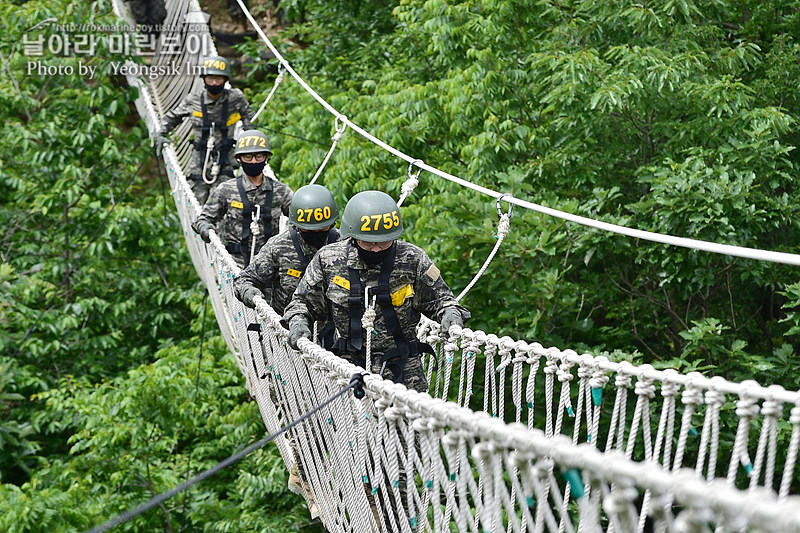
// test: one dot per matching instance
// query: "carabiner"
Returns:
(411, 166)
(510, 205)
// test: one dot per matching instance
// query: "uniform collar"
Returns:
(354, 261)
(248, 185)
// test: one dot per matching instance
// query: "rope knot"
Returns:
(585, 372)
(368, 319)
(645, 387)
(565, 372)
(409, 185)
(714, 397)
(504, 226)
(746, 407)
(772, 408)
(622, 381)
(692, 396)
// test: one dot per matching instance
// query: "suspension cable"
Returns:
(725, 249)
(503, 227)
(278, 80)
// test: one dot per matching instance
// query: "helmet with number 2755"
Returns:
(372, 216)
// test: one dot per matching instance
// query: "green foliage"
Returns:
(674, 117)
(93, 279)
(145, 432)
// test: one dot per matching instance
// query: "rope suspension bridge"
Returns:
(623, 448)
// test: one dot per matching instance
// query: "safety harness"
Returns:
(223, 146)
(395, 359)
(248, 209)
(325, 335)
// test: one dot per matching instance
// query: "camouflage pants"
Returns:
(200, 188)
(413, 374)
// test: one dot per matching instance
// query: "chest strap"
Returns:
(395, 359)
(247, 216)
(224, 145)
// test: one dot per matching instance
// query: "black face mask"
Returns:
(315, 239)
(214, 89)
(253, 169)
(373, 258)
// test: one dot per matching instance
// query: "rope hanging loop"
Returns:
(339, 128)
(411, 183)
(278, 80)
(503, 228)
(336, 138)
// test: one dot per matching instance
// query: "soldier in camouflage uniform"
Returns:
(275, 273)
(214, 112)
(277, 268)
(399, 280)
(235, 203)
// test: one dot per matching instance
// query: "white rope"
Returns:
(254, 230)
(350, 429)
(503, 227)
(336, 138)
(725, 249)
(278, 80)
(411, 182)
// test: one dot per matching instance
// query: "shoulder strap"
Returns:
(333, 235)
(304, 259)
(385, 298)
(247, 216)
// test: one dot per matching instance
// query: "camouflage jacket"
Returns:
(415, 284)
(276, 270)
(238, 109)
(224, 209)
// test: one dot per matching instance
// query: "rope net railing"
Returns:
(555, 441)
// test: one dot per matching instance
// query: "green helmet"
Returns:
(372, 216)
(252, 142)
(313, 207)
(216, 66)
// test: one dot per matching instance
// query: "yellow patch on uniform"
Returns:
(399, 296)
(432, 272)
(198, 114)
(340, 281)
(294, 273)
(233, 119)
(237, 205)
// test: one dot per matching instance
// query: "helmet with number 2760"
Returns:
(313, 207)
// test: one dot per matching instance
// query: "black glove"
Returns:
(202, 230)
(298, 327)
(451, 317)
(159, 142)
(248, 294)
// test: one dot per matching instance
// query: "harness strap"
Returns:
(333, 236)
(223, 146)
(247, 215)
